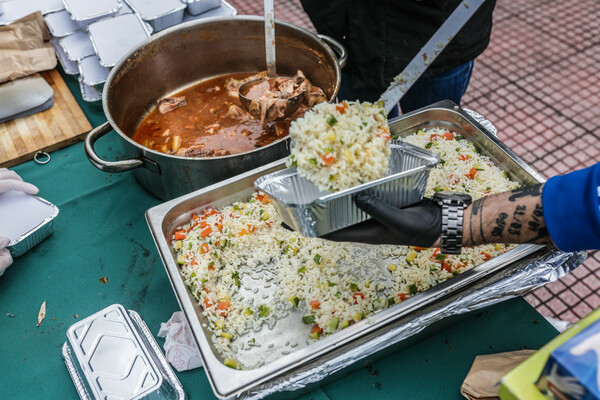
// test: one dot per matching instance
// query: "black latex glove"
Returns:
(417, 225)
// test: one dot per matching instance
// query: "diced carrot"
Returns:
(203, 224)
(315, 304)
(210, 211)
(435, 252)
(328, 158)
(208, 303)
(433, 137)
(243, 232)
(196, 218)
(204, 248)
(194, 262)
(453, 179)
(211, 267)
(204, 233)
(251, 228)
(486, 256)
(317, 329)
(383, 133)
(341, 107)
(223, 308)
(448, 135)
(446, 267)
(402, 296)
(417, 248)
(220, 226)
(180, 235)
(356, 295)
(263, 198)
(471, 174)
(464, 157)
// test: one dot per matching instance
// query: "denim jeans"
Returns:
(450, 85)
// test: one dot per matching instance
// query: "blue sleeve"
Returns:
(571, 208)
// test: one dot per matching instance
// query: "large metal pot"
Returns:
(183, 55)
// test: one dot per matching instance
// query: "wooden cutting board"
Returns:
(49, 130)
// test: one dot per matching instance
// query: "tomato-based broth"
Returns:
(207, 120)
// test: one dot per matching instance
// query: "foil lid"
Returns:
(480, 119)
(112, 355)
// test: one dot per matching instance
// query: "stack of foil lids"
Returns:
(113, 355)
(91, 36)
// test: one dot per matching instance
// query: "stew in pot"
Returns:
(207, 120)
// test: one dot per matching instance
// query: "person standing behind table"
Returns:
(9, 181)
(382, 37)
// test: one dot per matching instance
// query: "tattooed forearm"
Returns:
(511, 217)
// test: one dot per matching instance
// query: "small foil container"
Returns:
(87, 11)
(77, 46)
(60, 24)
(91, 72)
(13, 10)
(224, 10)
(89, 93)
(113, 38)
(160, 14)
(313, 212)
(196, 7)
(70, 67)
(113, 355)
(26, 220)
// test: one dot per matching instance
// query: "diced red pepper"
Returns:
(180, 235)
(486, 256)
(446, 267)
(417, 248)
(402, 296)
(315, 304)
(436, 252)
(356, 296)
(317, 329)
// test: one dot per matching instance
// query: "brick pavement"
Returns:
(538, 84)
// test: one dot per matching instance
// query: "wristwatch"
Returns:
(453, 205)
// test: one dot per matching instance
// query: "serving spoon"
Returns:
(293, 102)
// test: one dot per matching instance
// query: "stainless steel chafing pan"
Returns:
(227, 383)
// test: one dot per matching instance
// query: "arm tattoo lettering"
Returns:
(498, 230)
(526, 191)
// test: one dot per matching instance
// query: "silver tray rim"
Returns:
(227, 382)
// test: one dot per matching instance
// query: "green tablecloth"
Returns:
(101, 232)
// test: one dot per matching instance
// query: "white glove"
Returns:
(9, 180)
(5, 257)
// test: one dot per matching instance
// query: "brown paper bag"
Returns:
(25, 48)
(487, 370)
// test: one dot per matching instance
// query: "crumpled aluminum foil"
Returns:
(507, 284)
(493, 290)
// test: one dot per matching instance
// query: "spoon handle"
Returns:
(401, 83)
(270, 37)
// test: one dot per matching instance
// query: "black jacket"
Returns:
(382, 36)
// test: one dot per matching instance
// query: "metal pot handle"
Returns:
(106, 166)
(337, 48)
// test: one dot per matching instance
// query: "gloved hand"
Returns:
(9, 180)
(5, 257)
(419, 224)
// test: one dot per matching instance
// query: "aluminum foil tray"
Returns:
(312, 212)
(15, 9)
(70, 67)
(196, 7)
(223, 10)
(85, 11)
(26, 220)
(60, 24)
(113, 355)
(114, 37)
(91, 72)
(77, 46)
(160, 14)
(310, 362)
